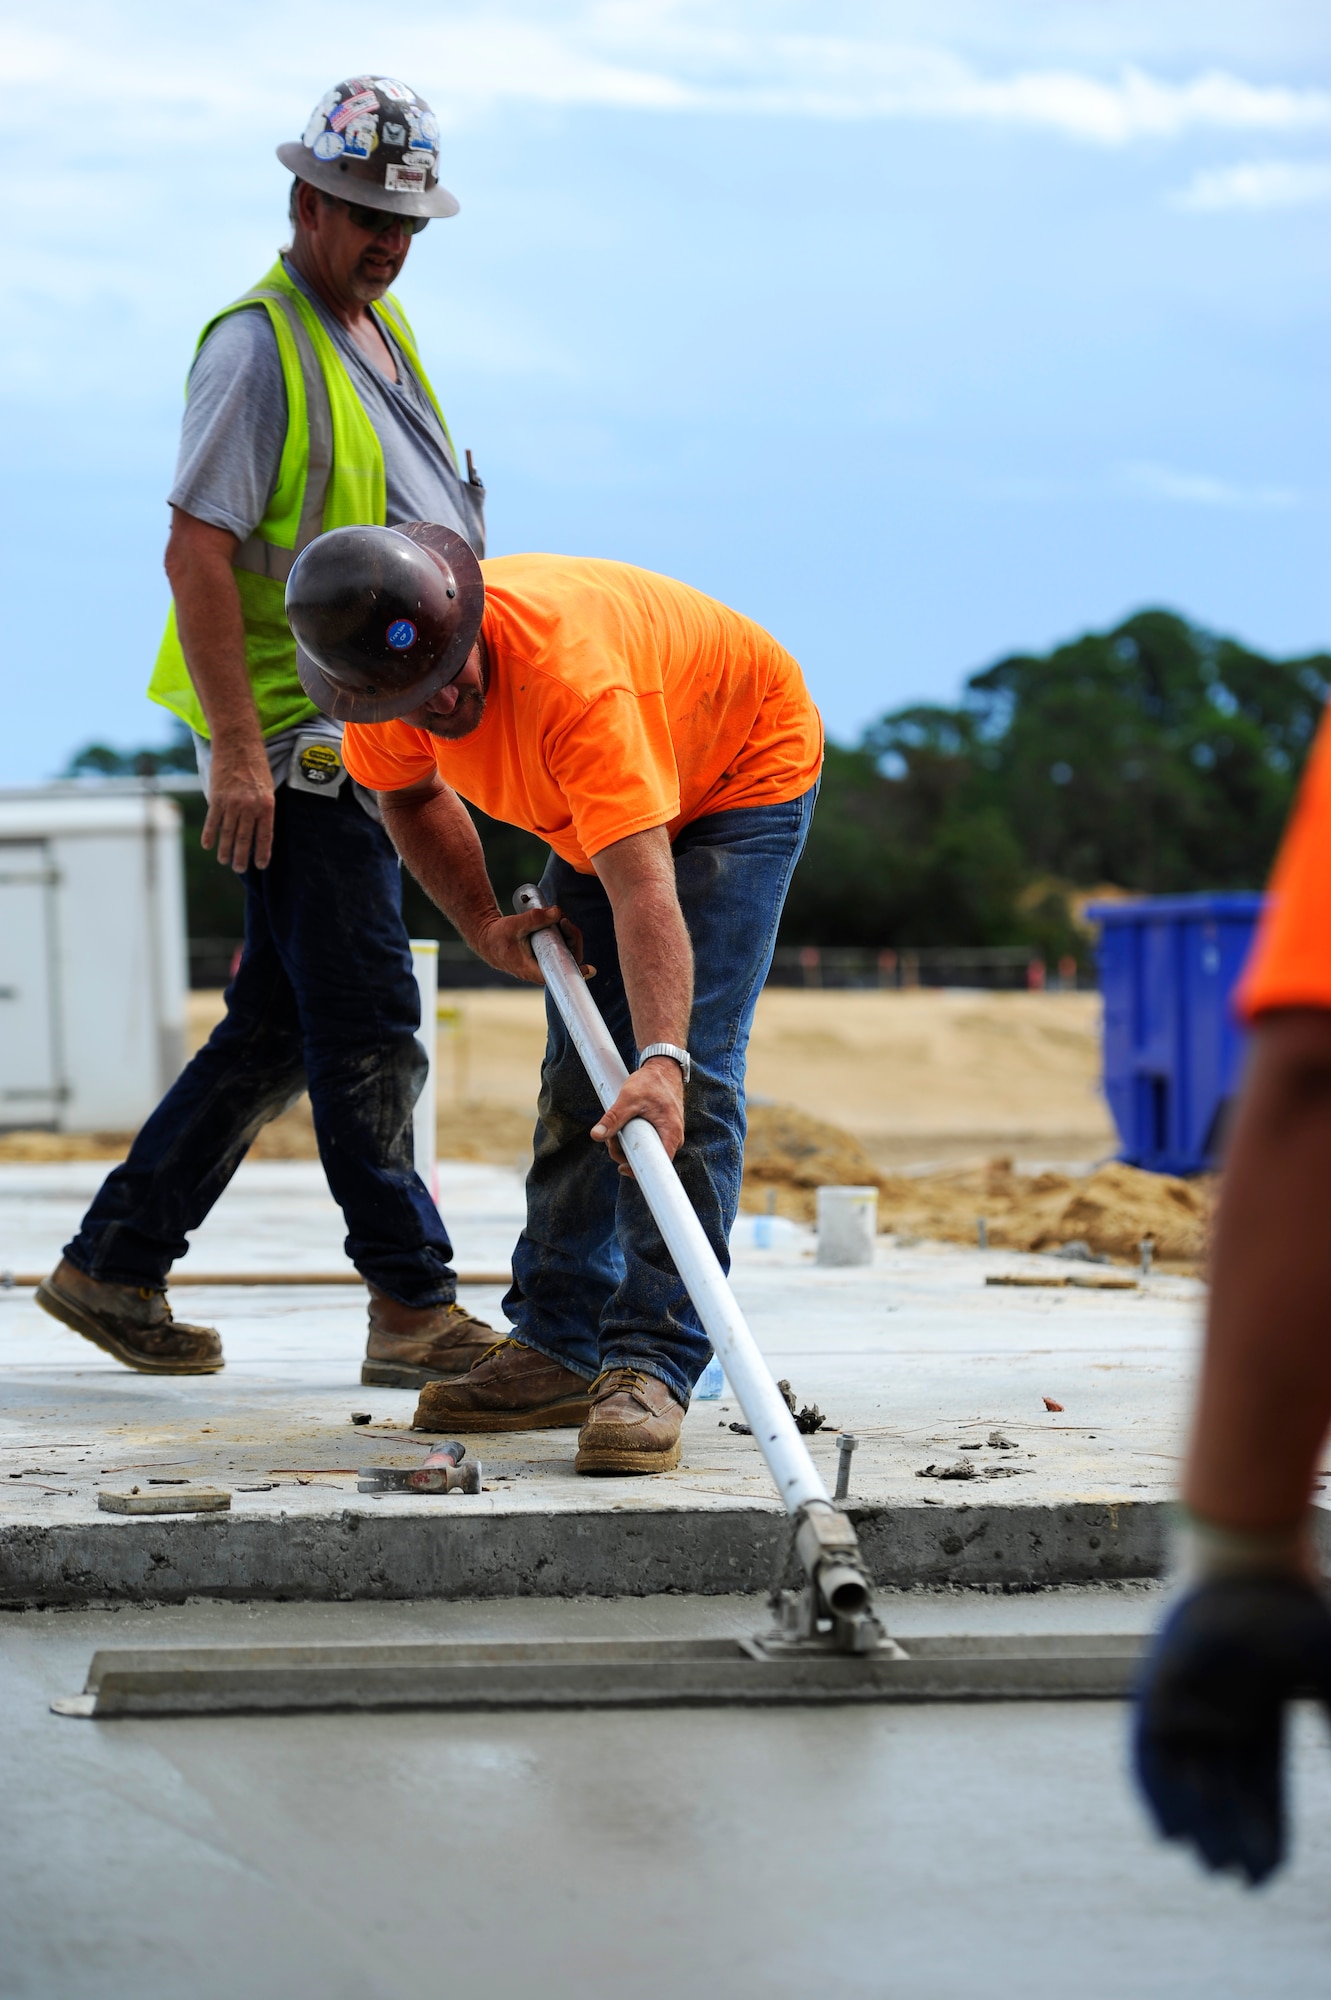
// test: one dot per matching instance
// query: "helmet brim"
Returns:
(342, 705)
(350, 180)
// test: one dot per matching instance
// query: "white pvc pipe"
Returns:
(763, 1405)
(425, 965)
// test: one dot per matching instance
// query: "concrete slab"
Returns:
(762, 1855)
(915, 1354)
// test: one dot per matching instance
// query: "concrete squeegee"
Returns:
(596, 1673)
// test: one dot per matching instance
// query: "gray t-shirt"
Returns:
(236, 422)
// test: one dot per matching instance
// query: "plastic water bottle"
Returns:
(711, 1385)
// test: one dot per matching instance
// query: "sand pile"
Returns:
(479, 1131)
(485, 1130)
(794, 1154)
(48, 1146)
(1110, 1210)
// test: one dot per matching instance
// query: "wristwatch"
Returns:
(681, 1056)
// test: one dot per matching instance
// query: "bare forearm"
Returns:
(656, 959)
(212, 638)
(439, 844)
(1265, 1395)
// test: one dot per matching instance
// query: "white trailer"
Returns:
(92, 955)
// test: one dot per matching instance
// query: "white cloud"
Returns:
(144, 80)
(1258, 184)
(821, 78)
(1193, 489)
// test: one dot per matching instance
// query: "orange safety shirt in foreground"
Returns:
(1290, 963)
(618, 700)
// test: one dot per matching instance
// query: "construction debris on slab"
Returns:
(966, 1468)
(202, 1500)
(808, 1419)
(1051, 1281)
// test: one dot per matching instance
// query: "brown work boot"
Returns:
(633, 1425)
(513, 1388)
(133, 1322)
(412, 1345)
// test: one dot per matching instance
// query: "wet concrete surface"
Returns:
(915, 1354)
(942, 1851)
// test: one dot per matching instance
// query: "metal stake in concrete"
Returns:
(838, 1592)
(845, 1451)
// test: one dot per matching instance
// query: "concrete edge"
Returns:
(625, 1553)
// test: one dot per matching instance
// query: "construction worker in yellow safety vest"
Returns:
(307, 409)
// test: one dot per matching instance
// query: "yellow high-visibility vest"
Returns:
(331, 476)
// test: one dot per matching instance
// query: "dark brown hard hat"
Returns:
(383, 617)
(372, 140)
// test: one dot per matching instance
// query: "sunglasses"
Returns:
(378, 221)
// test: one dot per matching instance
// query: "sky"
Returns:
(920, 333)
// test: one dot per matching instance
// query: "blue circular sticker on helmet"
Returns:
(401, 635)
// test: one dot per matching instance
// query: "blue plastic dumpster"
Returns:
(1173, 1054)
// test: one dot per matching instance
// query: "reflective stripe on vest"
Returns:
(265, 558)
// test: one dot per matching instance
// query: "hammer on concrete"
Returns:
(442, 1472)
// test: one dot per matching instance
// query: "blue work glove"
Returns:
(1210, 1725)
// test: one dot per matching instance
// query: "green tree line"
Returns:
(1155, 757)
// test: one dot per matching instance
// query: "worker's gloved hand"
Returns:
(1210, 1723)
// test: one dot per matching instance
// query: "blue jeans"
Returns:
(593, 1284)
(323, 997)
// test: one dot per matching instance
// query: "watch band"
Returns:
(681, 1056)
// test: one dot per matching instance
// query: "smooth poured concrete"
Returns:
(939, 1852)
(914, 1354)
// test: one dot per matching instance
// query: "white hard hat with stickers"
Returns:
(373, 141)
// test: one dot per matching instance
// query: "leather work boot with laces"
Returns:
(512, 1388)
(410, 1346)
(633, 1425)
(132, 1322)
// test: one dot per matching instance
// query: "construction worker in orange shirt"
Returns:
(669, 752)
(1253, 1629)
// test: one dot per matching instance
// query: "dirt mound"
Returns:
(290, 1137)
(1110, 1210)
(48, 1146)
(482, 1130)
(794, 1154)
